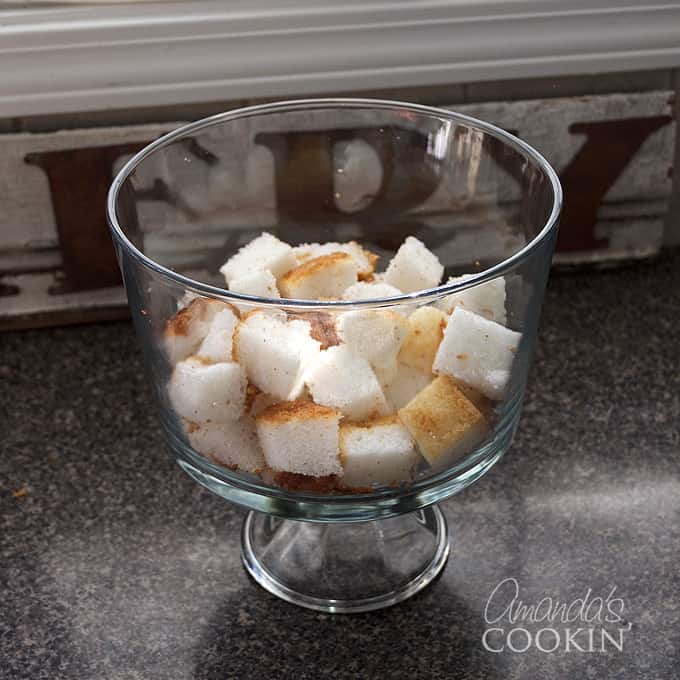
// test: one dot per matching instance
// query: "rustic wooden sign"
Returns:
(613, 153)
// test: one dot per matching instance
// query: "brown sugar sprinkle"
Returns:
(461, 356)
(192, 426)
(322, 327)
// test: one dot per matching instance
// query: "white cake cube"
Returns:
(341, 379)
(261, 283)
(377, 452)
(275, 352)
(324, 277)
(187, 329)
(323, 326)
(386, 373)
(486, 299)
(233, 444)
(376, 335)
(364, 259)
(370, 290)
(203, 392)
(300, 437)
(404, 385)
(478, 352)
(414, 267)
(217, 344)
(265, 252)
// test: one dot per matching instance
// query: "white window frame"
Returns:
(70, 59)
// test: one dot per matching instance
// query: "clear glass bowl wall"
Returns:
(373, 173)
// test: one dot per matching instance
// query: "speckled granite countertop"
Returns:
(113, 564)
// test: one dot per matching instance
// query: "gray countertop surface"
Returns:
(114, 564)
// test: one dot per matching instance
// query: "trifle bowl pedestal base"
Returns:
(345, 567)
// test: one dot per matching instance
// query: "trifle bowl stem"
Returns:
(345, 567)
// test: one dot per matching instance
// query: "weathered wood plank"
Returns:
(26, 218)
(36, 305)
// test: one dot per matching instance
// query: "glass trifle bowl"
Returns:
(337, 301)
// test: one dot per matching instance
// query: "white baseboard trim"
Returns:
(72, 59)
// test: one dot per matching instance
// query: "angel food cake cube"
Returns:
(340, 379)
(477, 352)
(322, 277)
(300, 437)
(376, 452)
(217, 344)
(233, 444)
(275, 352)
(323, 326)
(187, 329)
(376, 335)
(486, 299)
(404, 384)
(203, 392)
(414, 267)
(445, 424)
(370, 290)
(364, 259)
(426, 329)
(261, 283)
(265, 252)
(386, 372)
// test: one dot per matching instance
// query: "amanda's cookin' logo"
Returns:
(591, 623)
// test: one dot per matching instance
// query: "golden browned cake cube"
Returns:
(327, 276)
(444, 422)
(484, 405)
(426, 330)
(365, 259)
